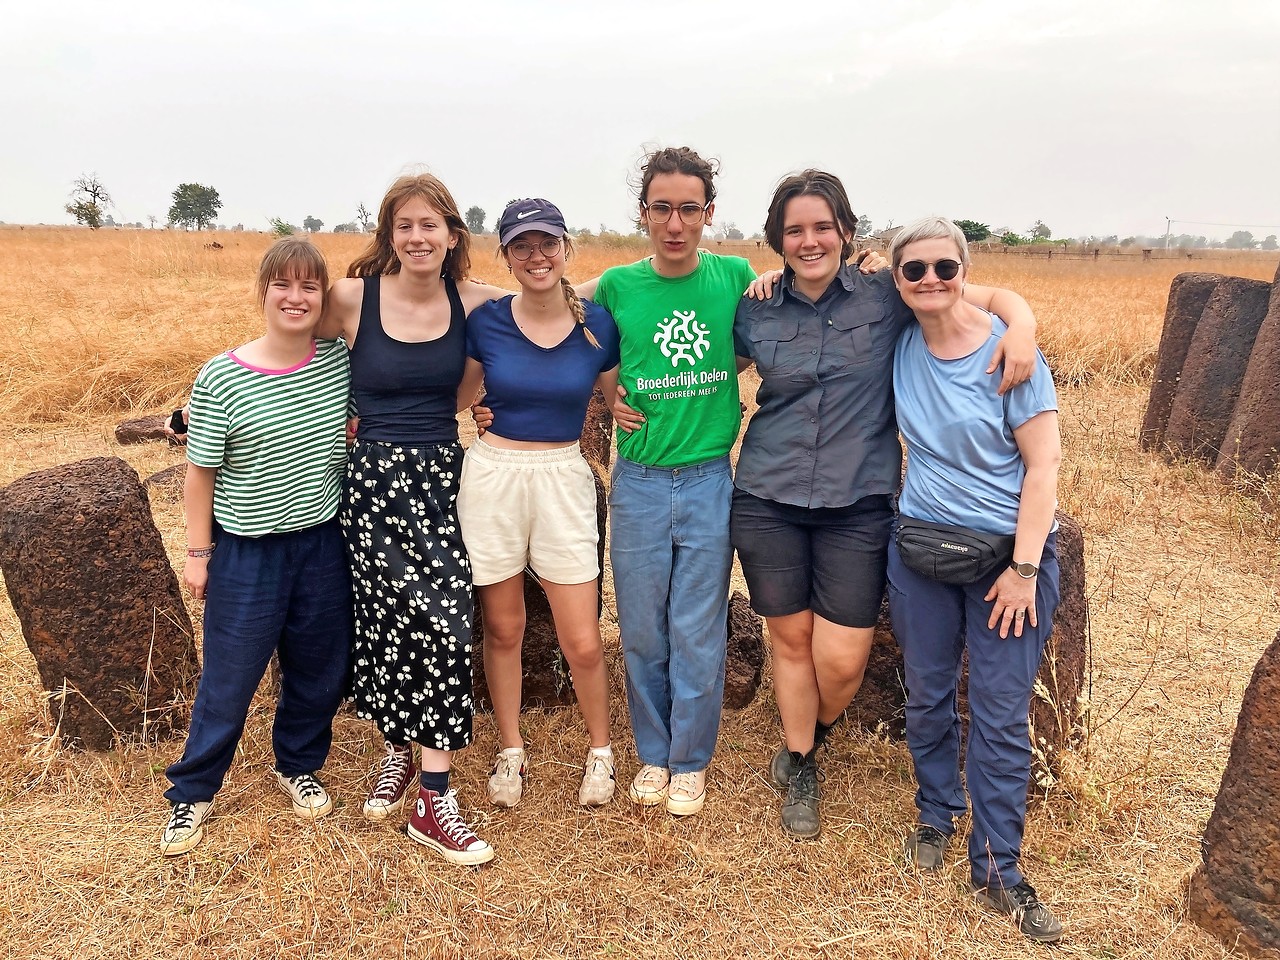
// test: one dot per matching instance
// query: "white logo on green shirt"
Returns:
(680, 337)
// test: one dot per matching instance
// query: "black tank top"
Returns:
(406, 393)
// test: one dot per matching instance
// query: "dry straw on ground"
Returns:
(1183, 591)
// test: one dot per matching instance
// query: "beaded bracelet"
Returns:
(201, 553)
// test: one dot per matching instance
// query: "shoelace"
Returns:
(307, 786)
(598, 769)
(684, 783)
(804, 783)
(449, 819)
(653, 777)
(393, 770)
(508, 766)
(184, 816)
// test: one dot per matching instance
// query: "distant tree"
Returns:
(973, 230)
(151, 219)
(1039, 231)
(1270, 243)
(475, 219)
(1011, 239)
(89, 200)
(194, 205)
(1241, 240)
(863, 227)
(312, 224)
(497, 222)
(109, 221)
(346, 228)
(280, 228)
(364, 218)
(238, 227)
(731, 232)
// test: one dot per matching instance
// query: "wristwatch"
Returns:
(1025, 570)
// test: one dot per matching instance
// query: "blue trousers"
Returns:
(671, 557)
(286, 592)
(933, 623)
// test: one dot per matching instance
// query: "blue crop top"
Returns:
(407, 393)
(539, 393)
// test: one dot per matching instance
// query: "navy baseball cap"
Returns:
(521, 216)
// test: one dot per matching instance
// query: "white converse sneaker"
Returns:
(649, 788)
(185, 828)
(311, 800)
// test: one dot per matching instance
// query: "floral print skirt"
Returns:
(411, 666)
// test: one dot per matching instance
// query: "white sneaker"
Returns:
(598, 781)
(687, 793)
(311, 800)
(649, 788)
(506, 782)
(185, 828)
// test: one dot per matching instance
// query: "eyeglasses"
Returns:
(660, 212)
(914, 270)
(522, 249)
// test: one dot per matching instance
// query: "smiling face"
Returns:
(675, 243)
(540, 272)
(421, 237)
(292, 303)
(812, 242)
(930, 294)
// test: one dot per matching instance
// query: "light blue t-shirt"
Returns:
(963, 464)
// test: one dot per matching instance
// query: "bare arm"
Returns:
(587, 289)
(197, 498)
(472, 377)
(1041, 448)
(607, 383)
(474, 293)
(341, 316)
(1017, 348)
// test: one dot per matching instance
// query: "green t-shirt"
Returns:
(276, 437)
(675, 335)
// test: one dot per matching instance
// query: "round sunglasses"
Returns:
(914, 271)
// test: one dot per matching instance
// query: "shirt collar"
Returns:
(846, 276)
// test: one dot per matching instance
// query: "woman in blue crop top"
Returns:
(402, 310)
(528, 497)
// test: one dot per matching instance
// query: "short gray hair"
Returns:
(929, 228)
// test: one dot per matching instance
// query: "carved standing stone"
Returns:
(1056, 707)
(99, 604)
(1215, 366)
(744, 660)
(1252, 442)
(1188, 295)
(597, 432)
(1235, 893)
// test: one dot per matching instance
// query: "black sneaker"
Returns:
(1033, 917)
(800, 808)
(924, 847)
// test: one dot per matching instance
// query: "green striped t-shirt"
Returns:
(276, 437)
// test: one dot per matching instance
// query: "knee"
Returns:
(503, 635)
(583, 651)
(792, 645)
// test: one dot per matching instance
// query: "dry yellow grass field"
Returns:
(1184, 594)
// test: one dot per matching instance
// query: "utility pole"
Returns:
(1168, 228)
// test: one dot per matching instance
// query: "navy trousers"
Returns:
(933, 623)
(286, 592)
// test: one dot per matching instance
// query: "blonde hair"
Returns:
(928, 228)
(379, 256)
(291, 257)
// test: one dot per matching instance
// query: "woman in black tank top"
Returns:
(402, 310)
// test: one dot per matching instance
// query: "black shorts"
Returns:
(830, 560)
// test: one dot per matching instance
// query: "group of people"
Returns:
(358, 565)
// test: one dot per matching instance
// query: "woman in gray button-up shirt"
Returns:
(820, 460)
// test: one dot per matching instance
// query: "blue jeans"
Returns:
(671, 558)
(933, 623)
(289, 592)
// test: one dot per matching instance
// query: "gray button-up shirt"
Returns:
(825, 433)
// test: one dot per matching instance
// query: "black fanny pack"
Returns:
(949, 554)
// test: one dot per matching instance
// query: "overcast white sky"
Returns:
(1095, 116)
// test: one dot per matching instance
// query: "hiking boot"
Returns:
(1020, 902)
(185, 828)
(506, 782)
(311, 800)
(598, 782)
(686, 793)
(436, 822)
(393, 776)
(649, 788)
(800, 808)
(924, 847)
(782, 768)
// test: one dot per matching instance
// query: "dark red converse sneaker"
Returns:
(437, 823)
(393, 776)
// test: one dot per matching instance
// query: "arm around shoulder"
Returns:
(341, 316)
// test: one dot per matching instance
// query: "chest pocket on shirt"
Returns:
(857, 330)
(765, 337)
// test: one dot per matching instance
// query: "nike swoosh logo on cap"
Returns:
(527, 213)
